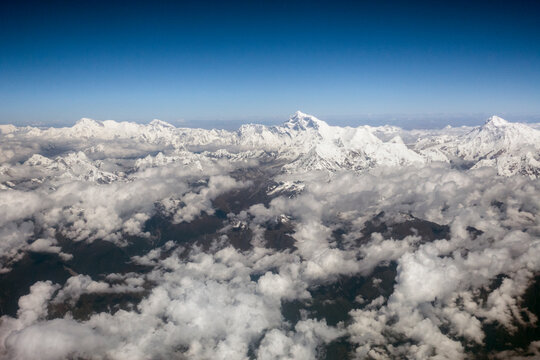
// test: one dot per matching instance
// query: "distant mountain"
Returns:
(305, 143)
(75, 165)
(308, 143)
(512, 148)
(497, 137)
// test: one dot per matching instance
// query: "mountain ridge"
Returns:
(306, 143)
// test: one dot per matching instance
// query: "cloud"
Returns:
(32, 307)
(462, 248)
(207, 306)
(48, 246)
(55, 339)
(78, 285)
(299, 344)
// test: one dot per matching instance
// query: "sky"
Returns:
(221, 63)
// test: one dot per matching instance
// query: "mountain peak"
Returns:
(87, 122)
(299, 114)
(161, 123)
(496, 121)
(302, 121)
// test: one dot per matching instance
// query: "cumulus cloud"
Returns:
(82, 209)
(32, 307)
(207, 306)
(55, 339)
(299, 344)
(48, 246)
(435, 253)
(75, 286)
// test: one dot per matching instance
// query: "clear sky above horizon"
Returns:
(259, 61)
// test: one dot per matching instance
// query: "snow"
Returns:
(512, 148)
(496, 121)
(302, 143)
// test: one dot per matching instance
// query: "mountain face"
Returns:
(305, 143)
(308, 143)
(511, 148)
(497, 137)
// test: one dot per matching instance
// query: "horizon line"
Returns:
(407, 121)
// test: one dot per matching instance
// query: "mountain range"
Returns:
(301, 144)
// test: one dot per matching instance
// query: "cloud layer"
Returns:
(227, 253)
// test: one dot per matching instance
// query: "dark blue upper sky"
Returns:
(206, 62)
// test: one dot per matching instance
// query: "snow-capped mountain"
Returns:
(511, 148)
(75, 165)
(308, 143)
(496, 137)
(302, 143)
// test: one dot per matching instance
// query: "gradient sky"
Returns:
(223, 62)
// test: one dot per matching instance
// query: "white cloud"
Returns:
(213, 301)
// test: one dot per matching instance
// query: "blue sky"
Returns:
(204, 63)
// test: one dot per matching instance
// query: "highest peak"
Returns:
(302, 121)
(496, 121)
(161, 123)
(299, 114)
